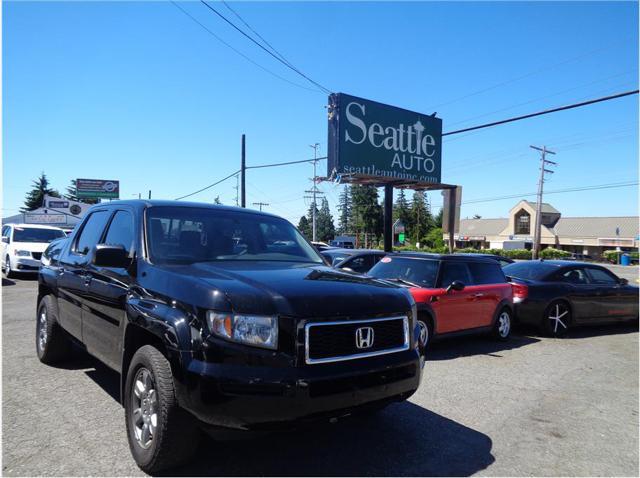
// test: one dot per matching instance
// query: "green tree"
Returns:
(345, 210)
(437, 220)
(325, 229)
(35, 197)
(367, 212)
(310, 220)
(402, 211)
(72, 194)
(304, 227)
(433, 239)
(421, 219)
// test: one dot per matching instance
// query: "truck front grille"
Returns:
(352, 339)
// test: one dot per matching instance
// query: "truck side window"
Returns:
(92, 231)
(120, 232)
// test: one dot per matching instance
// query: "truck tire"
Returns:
(52, 343)
(161, 435)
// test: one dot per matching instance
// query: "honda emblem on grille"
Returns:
(364, 337)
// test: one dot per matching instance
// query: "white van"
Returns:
(23, 245)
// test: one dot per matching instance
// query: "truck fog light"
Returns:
(256, 330)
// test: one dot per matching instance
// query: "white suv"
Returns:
(23, 245)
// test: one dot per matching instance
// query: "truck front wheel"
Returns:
(52, 344)
(161, 435)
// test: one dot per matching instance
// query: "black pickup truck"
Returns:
(221, 317)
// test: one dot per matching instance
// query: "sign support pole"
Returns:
(452, 218)
(388, 218)
(243, 172)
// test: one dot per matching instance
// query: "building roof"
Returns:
(604, 227)
(482, 227)
(546, 207)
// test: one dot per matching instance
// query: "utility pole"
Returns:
(537, 231)
(260, 204)
(314, 190)
(243, 172)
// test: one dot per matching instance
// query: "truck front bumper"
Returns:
(252, 398)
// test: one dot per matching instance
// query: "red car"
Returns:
(454, 294)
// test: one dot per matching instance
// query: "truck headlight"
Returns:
(256, 330)
(21, 253)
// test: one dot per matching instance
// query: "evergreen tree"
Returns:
(304, 227)
(438, 218)
(217, 200)
(402, 211)
(325, 229)
(345, 210)
(367, 212)
(35, 197)
(310, 220)
(421, 217)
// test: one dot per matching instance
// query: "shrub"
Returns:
(515, 253)
(551, 253)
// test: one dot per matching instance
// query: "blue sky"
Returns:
(139, 92)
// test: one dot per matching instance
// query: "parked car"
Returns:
(579, 257)
(556, 295)
(342, 243)
(212, 322)
(357, 260)
(320, 246)
(23, 245)
(501, 259)
(455, 294)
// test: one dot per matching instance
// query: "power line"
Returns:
(556, 191)
(522, 77)
(544, 112)
(250, 38)
(545, 97)
(204, 27)
(208, 187)
(255, 32)
(285, 164)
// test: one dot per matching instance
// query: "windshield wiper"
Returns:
(404, 281)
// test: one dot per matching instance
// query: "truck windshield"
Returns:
(421, 272)
(36, 234)
(185, 235)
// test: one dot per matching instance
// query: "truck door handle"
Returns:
(478, 295)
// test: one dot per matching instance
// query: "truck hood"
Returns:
(283, 288)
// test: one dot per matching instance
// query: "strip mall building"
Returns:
(582, 235)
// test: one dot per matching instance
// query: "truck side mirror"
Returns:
(623, 281)
(456, 285)
(105, 255)
(5, 239)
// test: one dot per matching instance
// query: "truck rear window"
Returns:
(184, 235)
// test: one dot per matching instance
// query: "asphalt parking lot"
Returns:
(531, 406)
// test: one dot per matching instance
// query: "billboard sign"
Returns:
(372, 140)
(97, 189)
